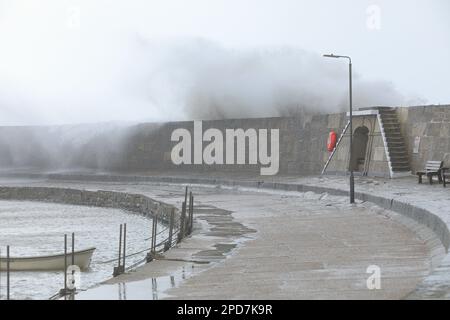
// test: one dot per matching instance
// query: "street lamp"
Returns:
(352, 178)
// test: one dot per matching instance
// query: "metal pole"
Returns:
(73, 248)
(152, 246)
(172, 214)
(7, 272)
(73, 260)
(65, 265)
(0, 275)
(124, 244)
(120, 247)
(352, 178)
(191, 213)
(154, 229)
(182, 221)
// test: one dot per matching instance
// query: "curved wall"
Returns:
(108, 199)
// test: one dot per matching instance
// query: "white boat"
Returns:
(48, 263)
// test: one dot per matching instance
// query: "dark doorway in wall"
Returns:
(358, 157)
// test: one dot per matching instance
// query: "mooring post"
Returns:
(7, 272)
(186, 194)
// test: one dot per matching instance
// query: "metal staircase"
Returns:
(394, 142)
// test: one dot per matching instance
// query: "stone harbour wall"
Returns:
(147, 146)
(135, 203)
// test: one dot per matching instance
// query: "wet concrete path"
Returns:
(250, 244)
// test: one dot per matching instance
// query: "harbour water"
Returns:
(36, 228)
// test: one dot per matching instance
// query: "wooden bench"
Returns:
(432, 168)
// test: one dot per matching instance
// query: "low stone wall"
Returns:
(106, 199)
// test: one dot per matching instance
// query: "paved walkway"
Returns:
(277, 244)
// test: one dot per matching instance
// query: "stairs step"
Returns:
(393, 132)
(401, 169)
(398, 163)
(398, 154)
(391, 123)
(395, 141)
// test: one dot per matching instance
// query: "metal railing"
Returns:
(176, 230)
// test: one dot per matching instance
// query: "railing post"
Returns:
(65, 266)
(120, 247)
(73, 262)
(7, 272)
(118, 270)
(0, 274)
(168, 244)
(191, 213)
(182, 222)
(155, 231)
(124, 245)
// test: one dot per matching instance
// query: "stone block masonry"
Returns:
(147, 147)
(107, 199)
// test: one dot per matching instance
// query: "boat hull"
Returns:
(48, 263)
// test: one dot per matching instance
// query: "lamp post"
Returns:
(352, 178)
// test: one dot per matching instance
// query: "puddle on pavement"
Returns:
(221, 224)
(148, 289)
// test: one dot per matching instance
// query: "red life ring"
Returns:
(331, 143)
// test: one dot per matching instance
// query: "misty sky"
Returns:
(64, 61)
